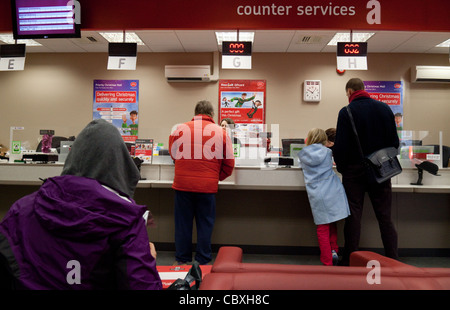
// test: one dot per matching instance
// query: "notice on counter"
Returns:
(391, 93)
(144, 149)
(16, 147)
(117, 101)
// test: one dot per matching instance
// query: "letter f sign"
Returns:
(121, 62)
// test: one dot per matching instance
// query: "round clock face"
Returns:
(312, 91)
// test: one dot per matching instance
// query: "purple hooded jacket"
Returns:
(76, 233)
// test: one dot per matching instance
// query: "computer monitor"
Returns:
(286, 145)
(64, 150)
(45, 19)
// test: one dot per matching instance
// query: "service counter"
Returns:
(267, 208)
(243, 178)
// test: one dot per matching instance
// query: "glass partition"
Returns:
(249, 144)
(419, 146)
(27, 139)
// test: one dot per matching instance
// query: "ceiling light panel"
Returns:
(9, 39)
(444, 44)
(232, 36)
(345, 37)
(117, 37)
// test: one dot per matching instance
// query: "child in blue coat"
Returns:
(325, 193)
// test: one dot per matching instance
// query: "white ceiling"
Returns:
(278, 41)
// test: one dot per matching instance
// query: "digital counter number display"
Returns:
(237, 48)
(352, 49)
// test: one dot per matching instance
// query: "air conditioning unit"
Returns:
(201, 73)
(430, 74)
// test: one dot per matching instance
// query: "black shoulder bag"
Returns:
(382, 164)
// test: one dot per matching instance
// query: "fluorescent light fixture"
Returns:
(232, 36)
(117, 37)
(9, 39)
(345, 37)
(444, 44)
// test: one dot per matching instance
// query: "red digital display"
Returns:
(352, 49)
(237, 48)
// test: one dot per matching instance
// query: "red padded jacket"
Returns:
(203, 155)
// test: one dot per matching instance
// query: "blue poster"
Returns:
(117, 101)
(391, 93)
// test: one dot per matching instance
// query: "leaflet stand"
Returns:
(15, 152)
(47, 137)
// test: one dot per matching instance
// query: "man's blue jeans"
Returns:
(202, 207)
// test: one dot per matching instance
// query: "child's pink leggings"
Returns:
(327, 235)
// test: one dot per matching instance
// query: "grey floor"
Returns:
(167, 258)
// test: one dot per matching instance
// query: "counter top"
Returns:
(243, 177)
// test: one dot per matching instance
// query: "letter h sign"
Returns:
(352, 56)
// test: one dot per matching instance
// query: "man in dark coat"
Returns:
(375, 124)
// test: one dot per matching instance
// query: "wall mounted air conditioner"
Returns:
(430, 74)
(200, 73)
(193, 73)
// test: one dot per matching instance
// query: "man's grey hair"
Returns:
(204, 107)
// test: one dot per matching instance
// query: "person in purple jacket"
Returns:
(81, 230)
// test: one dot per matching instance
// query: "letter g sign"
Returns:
(236, 62)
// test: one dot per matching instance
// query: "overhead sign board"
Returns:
(122, 56)
(351, 56)
(352, 49)
(398, 15)
(121, 63)
(236, 55)
(12, 64)
(12, 57)
(237, 48)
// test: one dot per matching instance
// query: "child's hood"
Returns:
(314, 154)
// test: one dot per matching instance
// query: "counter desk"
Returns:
(266, 208)
(244, 177)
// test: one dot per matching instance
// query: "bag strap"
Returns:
(354, 131)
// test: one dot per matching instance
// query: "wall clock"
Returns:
(312, 90)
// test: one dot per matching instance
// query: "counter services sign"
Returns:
(400, 15)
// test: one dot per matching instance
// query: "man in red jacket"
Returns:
(203, 156)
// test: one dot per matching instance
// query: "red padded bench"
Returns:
(230, 273)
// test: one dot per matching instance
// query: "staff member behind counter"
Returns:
(229, 125)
